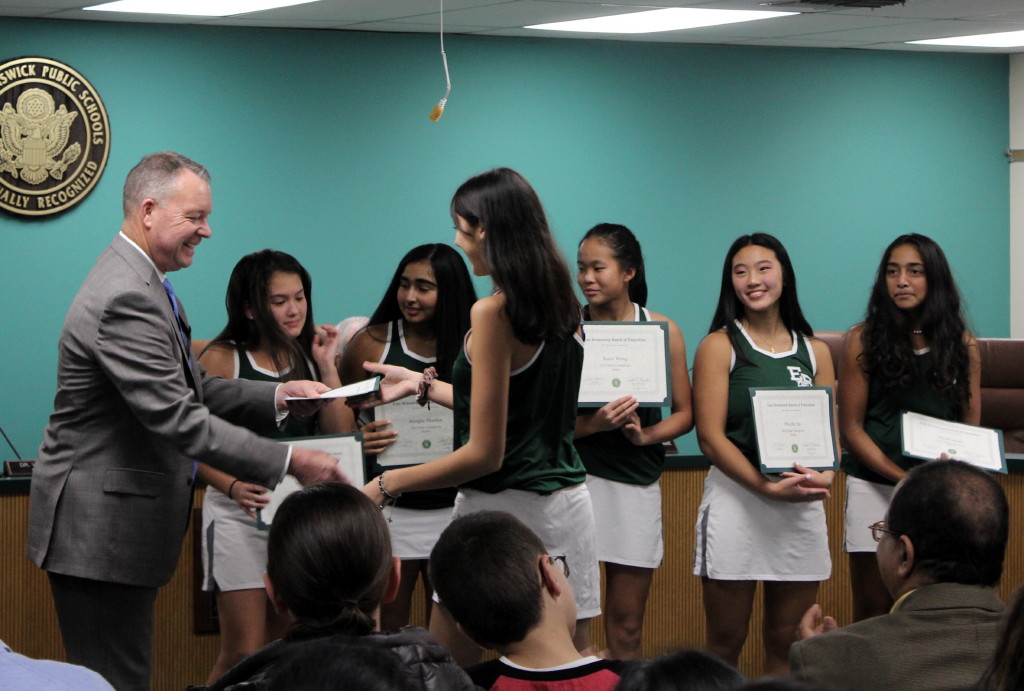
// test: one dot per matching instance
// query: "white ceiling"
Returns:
(818, 26)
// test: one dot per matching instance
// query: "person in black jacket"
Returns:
(329, 566)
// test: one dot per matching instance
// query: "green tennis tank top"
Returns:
(882, 418)
(793, 369)
(539, 453)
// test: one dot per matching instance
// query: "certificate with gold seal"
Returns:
(929, 438)
(625, 358)
(347, 448)
(424, 434)
(794, 425)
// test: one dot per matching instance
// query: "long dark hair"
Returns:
(521, 254)
(729, 306)
(626, 249)
(247, 292)
(455, 297)
(888, 354)
(328, 558)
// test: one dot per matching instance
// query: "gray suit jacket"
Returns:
(942, 637)
(112, 488)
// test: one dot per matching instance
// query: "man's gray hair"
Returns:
(155, 176)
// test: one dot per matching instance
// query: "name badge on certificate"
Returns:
(794, 426)
(424, 434)
(347, 448)
(621, 358)
(929, 437)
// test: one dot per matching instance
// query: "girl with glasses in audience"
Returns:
(753, 526)
(419, 323)
(912, 353)
(622, 444)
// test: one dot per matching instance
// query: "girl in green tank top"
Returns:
(912, 353)
(757, 302)
(270, 334)
(532, 315)
(420, 322)
(620, 441)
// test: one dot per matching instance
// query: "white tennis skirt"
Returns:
(742, 536)
(414, 532)
(627, 522)
(866, 503)
(234, 550)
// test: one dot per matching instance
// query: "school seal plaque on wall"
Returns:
(54, 137)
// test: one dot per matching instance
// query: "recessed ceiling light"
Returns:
(197, 8)
(1005, 39)
(669, 19)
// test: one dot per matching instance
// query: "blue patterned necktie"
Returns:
(185, 340)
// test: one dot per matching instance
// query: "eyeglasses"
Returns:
(878, 530)
(565, 563)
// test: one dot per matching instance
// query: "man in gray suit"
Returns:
(112, 487)
(940, 553)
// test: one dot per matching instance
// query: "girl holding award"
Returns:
(419, 323)
(269, 336)
(911, 353)
(621, 444)
(514, 391)
(752, 526)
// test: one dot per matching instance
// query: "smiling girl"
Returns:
(419, 323)
(914, 353)
(752, 526)
(621, 444)
(269, 337)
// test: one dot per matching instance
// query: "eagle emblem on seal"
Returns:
(33, 137)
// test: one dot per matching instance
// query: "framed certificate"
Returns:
(347, 448)
(929, 437)
(424, 434)
(794, 426)
(621, 358)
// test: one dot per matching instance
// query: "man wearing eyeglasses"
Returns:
(940, 554)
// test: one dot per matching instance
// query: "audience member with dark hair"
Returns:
(499, 583)
(940, 554)
(329, 567)
(685, 670)
(320, 664)
(1007, 669)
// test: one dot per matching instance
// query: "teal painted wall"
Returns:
(319, 145)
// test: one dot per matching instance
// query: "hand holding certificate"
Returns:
(794, 426)
(625, 358)
(931, 438)
(360, 388)
(347, 448)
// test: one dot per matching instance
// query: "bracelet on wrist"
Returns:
(231, 487)
(423, 388)
(388, 496)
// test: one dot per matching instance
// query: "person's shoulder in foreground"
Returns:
(20, 673)
(589, 673)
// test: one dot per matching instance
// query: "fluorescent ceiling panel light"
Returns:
(1005, 39)
(196, 8)
(669, 19)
